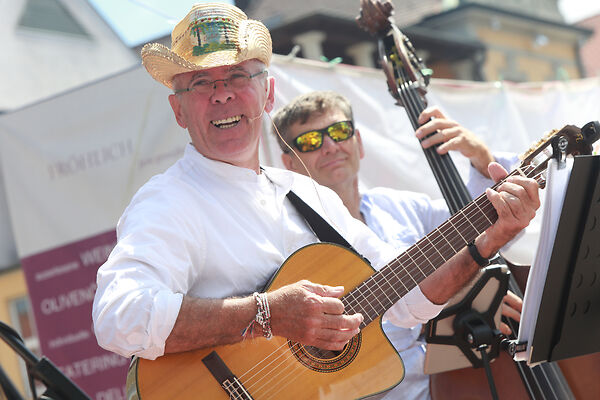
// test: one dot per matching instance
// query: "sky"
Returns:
(576, 10)
(141, 21)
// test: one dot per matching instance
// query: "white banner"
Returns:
(71, 163)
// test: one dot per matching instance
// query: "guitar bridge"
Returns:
(228, 381)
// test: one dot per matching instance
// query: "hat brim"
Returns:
(163, 64)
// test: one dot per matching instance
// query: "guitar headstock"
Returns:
(404, 69)
(558, 144)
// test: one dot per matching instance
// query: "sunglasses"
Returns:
(313, 140)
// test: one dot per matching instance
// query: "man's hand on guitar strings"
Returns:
(313, 315)
(515, 201)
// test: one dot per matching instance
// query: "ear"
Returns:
(175, 102)
(291, 162)
(361, 149)
(270, 94)
(286, 159)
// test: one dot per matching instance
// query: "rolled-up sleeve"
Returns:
(412, 309)
(141, 286)
(133, 317)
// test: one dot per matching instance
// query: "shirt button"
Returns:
(263, 202)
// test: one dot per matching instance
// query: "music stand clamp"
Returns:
(57, 384)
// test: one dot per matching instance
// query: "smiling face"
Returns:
(335, 164)
(224, 123)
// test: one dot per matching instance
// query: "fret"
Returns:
(375, 295)
(412, 260)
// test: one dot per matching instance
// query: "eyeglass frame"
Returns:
(324, 132)
(225, 81)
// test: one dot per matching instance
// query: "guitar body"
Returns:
(270, 369)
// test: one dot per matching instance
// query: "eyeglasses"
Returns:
(237, 80)
(313, 140)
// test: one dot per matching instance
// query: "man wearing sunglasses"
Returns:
(320, 135)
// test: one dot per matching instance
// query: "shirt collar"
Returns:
(281, 178)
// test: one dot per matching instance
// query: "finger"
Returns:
(510, 312)
(441, 136)
(505, 329)
(342, 322)
(513, 300)
(455, 143)
(330, 344)
(433, 126)
(522, 197)
(323, 290)
(331, 305)
(508, 207)
(497, 171)
(517, 184)
(430, 112)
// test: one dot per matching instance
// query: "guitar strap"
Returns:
(324, 231)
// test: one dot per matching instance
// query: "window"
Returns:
(50, 15)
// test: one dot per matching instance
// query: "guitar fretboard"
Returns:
(384, 288)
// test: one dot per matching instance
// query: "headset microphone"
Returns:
(264, 105)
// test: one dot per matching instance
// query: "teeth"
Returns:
(227, 121)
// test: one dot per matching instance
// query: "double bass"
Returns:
(407, 80)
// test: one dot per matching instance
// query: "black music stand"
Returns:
(568, 321)
(58, 385)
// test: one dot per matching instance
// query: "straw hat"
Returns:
(210, 35)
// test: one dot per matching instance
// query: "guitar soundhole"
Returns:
(321, 360)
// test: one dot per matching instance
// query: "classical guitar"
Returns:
(279, 368)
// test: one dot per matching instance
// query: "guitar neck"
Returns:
(378, 293)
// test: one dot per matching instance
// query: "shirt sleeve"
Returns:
(413, 309)
(141, 286)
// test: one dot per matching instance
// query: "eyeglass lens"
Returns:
(313, 140)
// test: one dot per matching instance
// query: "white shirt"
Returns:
(401, 218)
(212, 230)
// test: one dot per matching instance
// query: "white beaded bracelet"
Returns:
(262, 318)
(263, 314)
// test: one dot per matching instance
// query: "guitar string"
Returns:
(412, 262)
(393, 272)
(281, 359)
(413, 268)
(282, 371)
(284, 367)
(443, 236)
(441, 164)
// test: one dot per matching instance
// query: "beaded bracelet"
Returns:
(262, 318)
(263, 314)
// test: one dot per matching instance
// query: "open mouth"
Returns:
(227, 122)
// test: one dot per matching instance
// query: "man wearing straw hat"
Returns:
(198, 243)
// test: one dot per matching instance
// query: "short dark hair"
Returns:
(307, 106)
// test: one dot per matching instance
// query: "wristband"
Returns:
(262, 318)
(479, 259)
